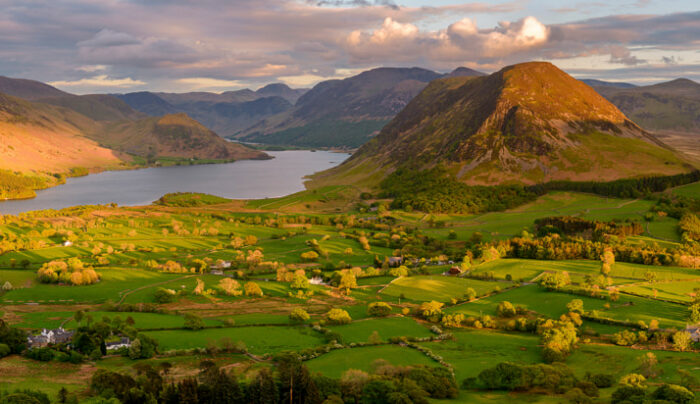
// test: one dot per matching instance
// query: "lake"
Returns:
(245, 179)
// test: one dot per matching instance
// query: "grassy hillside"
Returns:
(527, 123)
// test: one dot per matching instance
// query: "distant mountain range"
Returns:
(527, 123)
(45, 130)
(601, 83)
(227, 113)
(345, 113)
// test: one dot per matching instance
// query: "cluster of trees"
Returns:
(289, 382)
(15, 185)
(71, 272)
(690, 227)
(571, 225)
(12, 340)
(624, 188)
(558, 378)
(434, 190)
(557, 248)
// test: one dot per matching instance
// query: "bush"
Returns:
(673, 393)
(338, 316)
(506, 309)
(628, 394)
(4, 350)
(601, 380)
(379, 309)
(299, 315)
(164, 296)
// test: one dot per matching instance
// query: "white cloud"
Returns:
(91, 68)
(460, 40)
(99, 81)
(208, 83)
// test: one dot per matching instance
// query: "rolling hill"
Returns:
(671, 110)
(527, 123)
(345, 113)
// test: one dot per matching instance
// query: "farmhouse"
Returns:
(221, 265)
(395, 261)
(49, 337)
(124, 342)
(454, 271)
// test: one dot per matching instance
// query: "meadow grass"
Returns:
(258, 340)
(437, 287)
(386, 328)
(335, 363)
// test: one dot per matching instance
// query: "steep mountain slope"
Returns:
(671, 110)
(175, 135)
(527, 123)
(347, 112)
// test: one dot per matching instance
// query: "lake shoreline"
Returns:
(283, 174)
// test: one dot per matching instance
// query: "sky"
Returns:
(116, 46)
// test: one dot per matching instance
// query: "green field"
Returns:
(690, 190)
(258, 340)
(438, 287)
(360, 331)
(334, 363)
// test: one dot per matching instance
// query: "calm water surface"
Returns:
(247, 179)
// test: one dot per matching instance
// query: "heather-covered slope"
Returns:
(527, 123)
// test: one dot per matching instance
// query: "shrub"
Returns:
(252, 289)
(628, 394)
(601, 380)
(506, 309)
(673, 393)
(299, 315)
(164, 296)
(193, 322)
(379, 309)
(338, 316)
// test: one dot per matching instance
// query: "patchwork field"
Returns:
(216, 283)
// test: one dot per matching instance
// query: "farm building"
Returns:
(124, 342)
(395, 261)
(454, 271)
(49, 337)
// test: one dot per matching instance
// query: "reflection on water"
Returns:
(247, 179)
